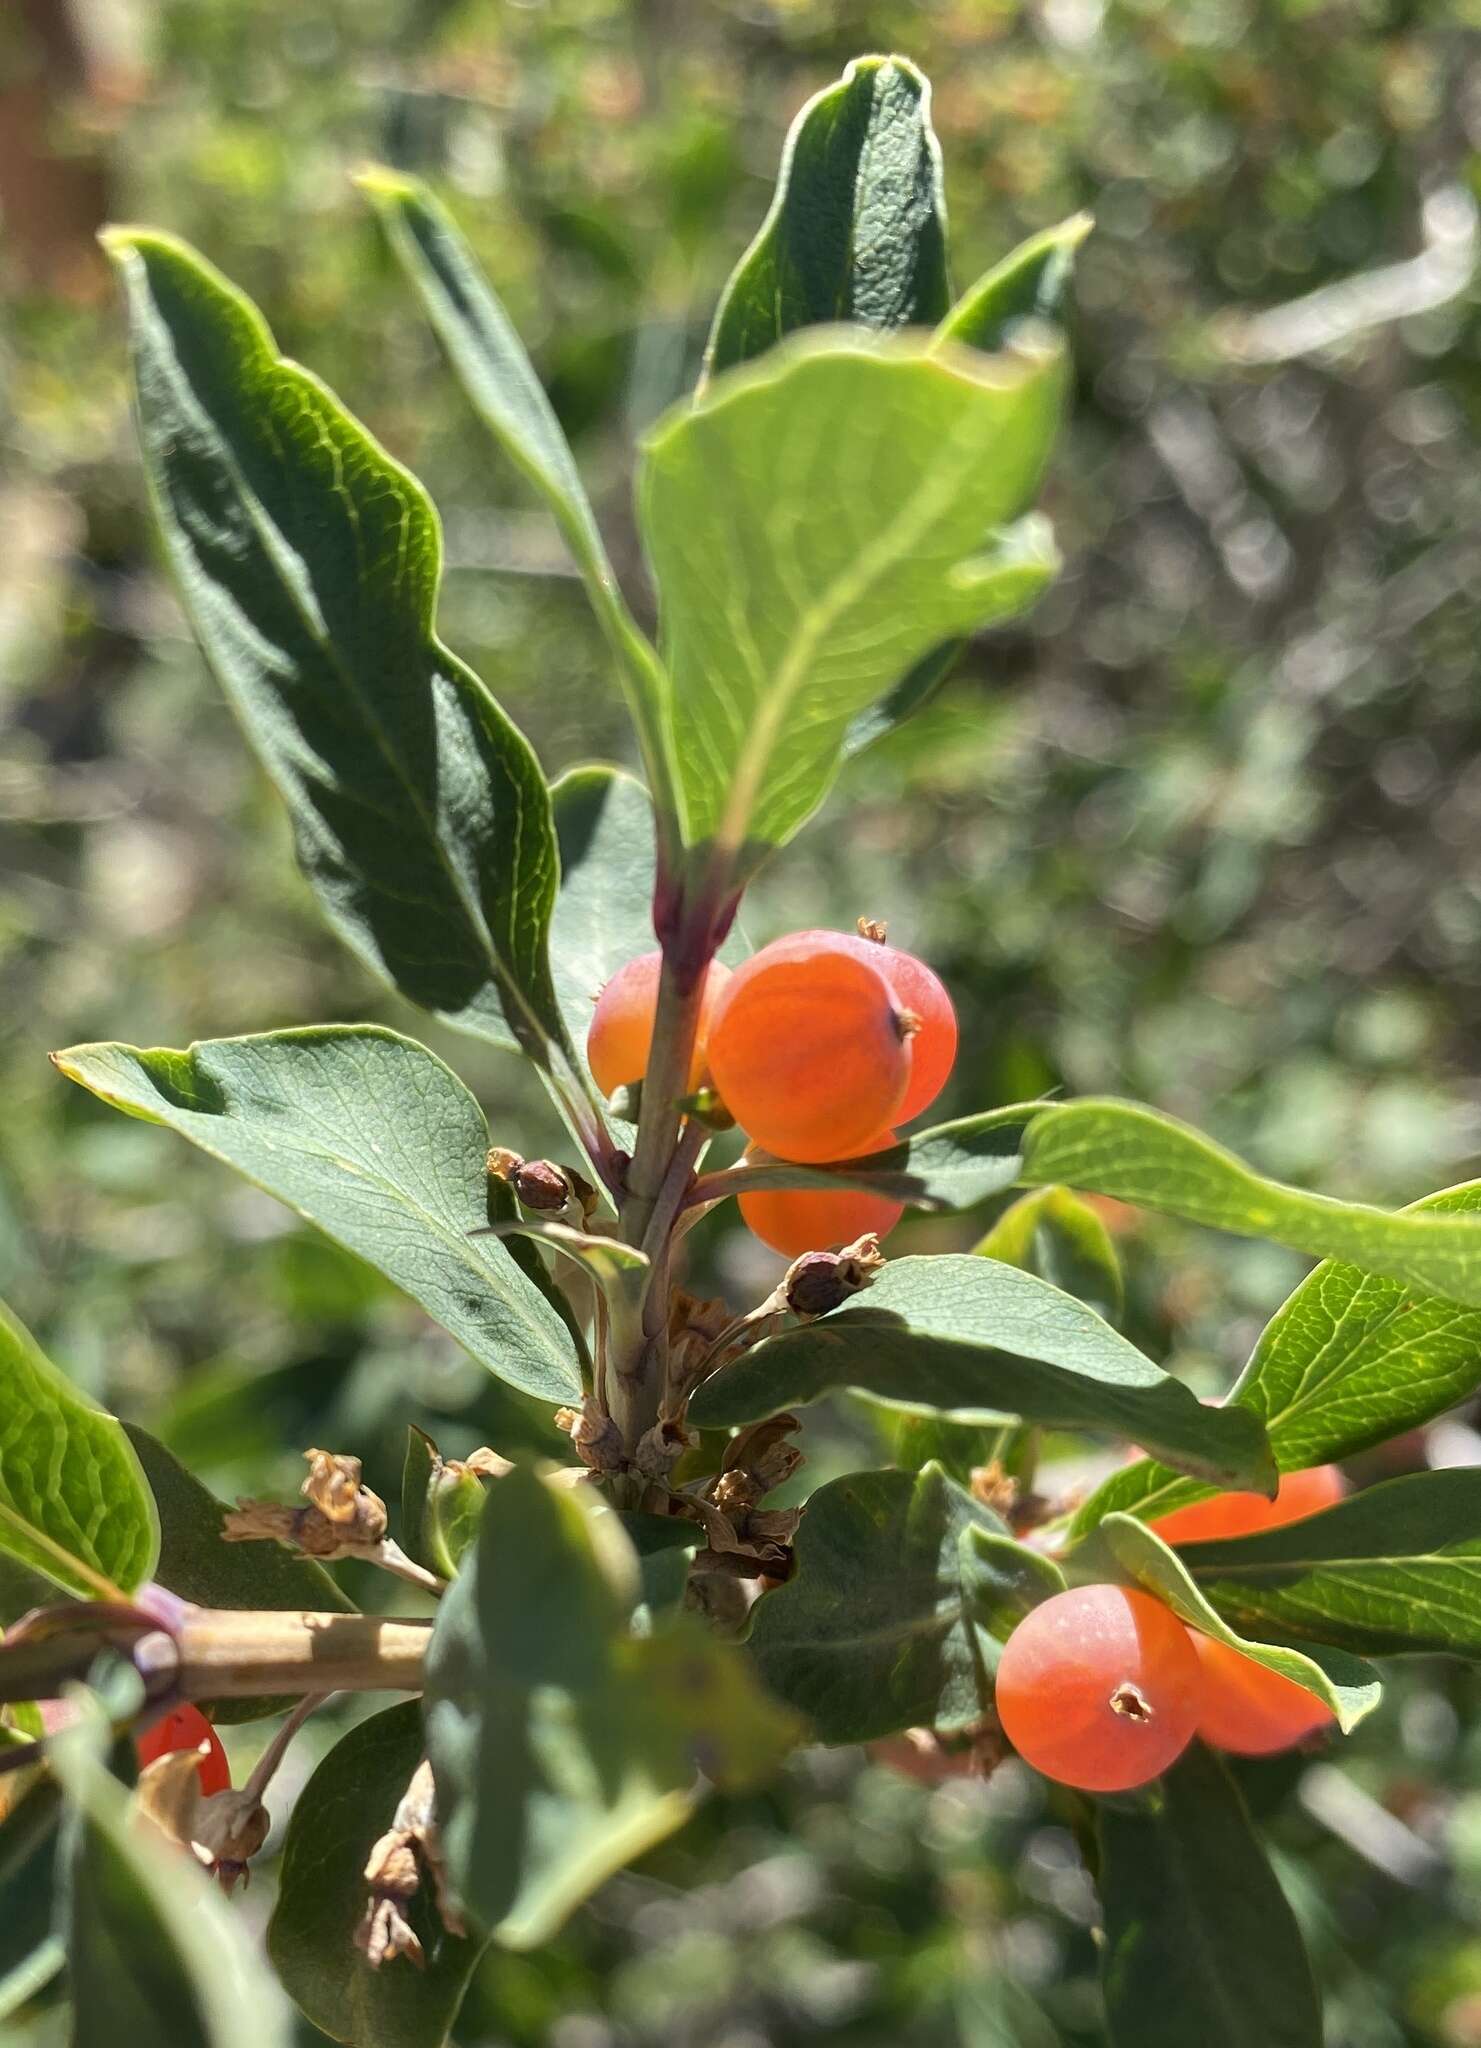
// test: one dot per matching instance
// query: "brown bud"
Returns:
(819, 1282)
(595, 1437)
(502, 1163)
(660, 1448)
(541, 1184)
(333, 1484)
(872, 928)
(995, 1488)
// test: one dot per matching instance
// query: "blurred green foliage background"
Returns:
(1206, 828)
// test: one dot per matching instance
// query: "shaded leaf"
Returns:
(1347, 1687)
(309, 562)
(859, 480)
(562, 1744)
(30, 1952)
(1060, 1238)
(419, 1468)
(371, 1137)
(949, 1167)
(1001, 1580)
(73, 1503)
(1201, 1944)
(490, 362)
(982, 1342)
(339, 1816)
(874, 1631)
(1395, 1568)
(154, 1952)
(857, 227)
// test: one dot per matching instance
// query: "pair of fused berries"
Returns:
(819, 1047)
(187, 1728)
(1102, 1687)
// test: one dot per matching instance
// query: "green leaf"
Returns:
(341, 1813)
(375, 1140)
(604, 913)
(857, 228)
(1118, 1148)
(419, 1469)
(562, 1744)
(1347, 1687)
(1395, 1568)
(982, 1342)
(665, 1548)
(155, 1953)
(30, 1953)
(1001, 1580)
(309, 562)
(1062, 1239)
(1349, 1360)
(73, 1503)
(952, 1166)
(1200, 1944)
(1023, 550)
(197, 1565)
(816, 525)
(875, 1630)
(1031, 283)
(490, 362)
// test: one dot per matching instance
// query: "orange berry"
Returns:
(187, 1728)
(621, 1033)
(1248, 1710)
(933, 1048)
(797, 1220)
(1099, 1687)
(1246, 1514)
(809, 1049)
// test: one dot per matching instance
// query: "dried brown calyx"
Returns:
(543, 1186)
(222, 1830)
(343, 1518)
(819, 1282)
(394, 1870)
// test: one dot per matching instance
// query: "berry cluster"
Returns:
(820, 1046)
(1102, 1687)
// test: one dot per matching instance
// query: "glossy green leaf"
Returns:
(1349, 1360)
(563, 1744)
(1392, 1569)
(949, 1167)
(1031, 283)
(816, 524)
(1051, 1233)
(1348, 1687)
(73, 1503)
(875, 1630)
(375, 1140)
(857, 227)
(1201, 1945)
(983, 1342)
(309, 563)
(154, 1951)
(1118, 1148)
(490, 362)
(339, 1816)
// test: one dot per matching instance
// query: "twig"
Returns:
(261, 1775)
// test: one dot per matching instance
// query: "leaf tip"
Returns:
(380, 182)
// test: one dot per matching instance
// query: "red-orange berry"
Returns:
(933, 1048)
(1099, 1687)
(621, 1033)
(1248, 1710)
(1246, 1514)
(187, 1728)
(809, 1049)
(797, 1220)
